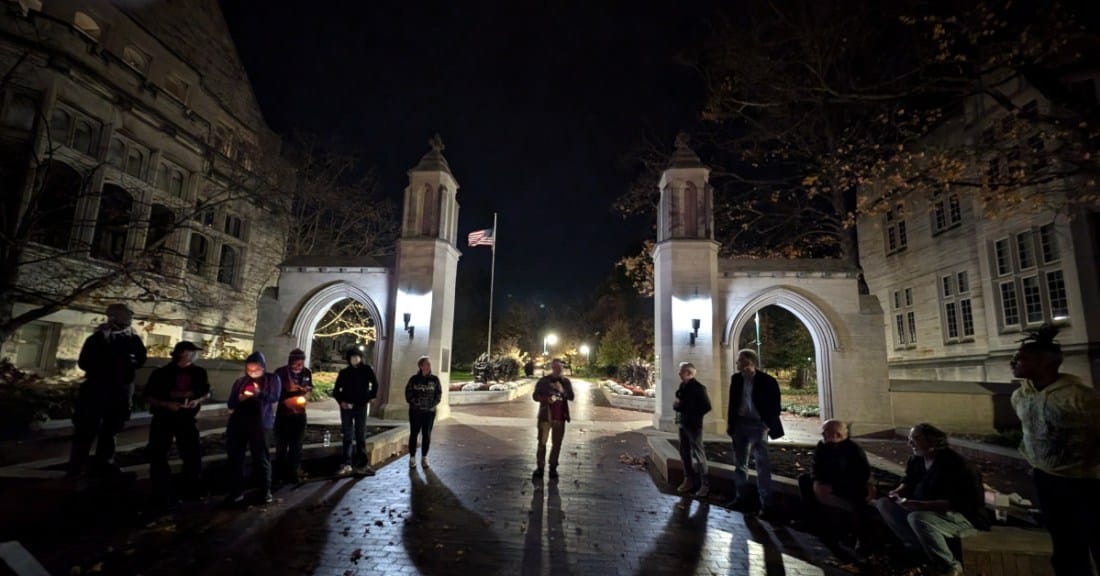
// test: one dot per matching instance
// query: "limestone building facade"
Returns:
(962, 286)
(133, 128)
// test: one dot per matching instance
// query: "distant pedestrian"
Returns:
(529, 368)
(553, 394)
(940, 497)
(691, 404)
(109, 359)
(175, 392)
(290, 416)
(753, 418)
(423, 393)
(252, 401)
(356, 386)
(1061, 440)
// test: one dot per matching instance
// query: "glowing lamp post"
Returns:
(585, 350)
(547, 342)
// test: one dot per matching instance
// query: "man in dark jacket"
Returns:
(753, 417)
(691, 404)
(940, 497)
(174, 393)
(356, 386)
(252, 401)
(290, 416)
(109, 358)
(553, 394)
(835, 495)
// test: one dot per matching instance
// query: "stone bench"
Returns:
(1006, 551)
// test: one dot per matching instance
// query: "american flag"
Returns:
(481, 237)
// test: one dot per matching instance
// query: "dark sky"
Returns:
(536, 106)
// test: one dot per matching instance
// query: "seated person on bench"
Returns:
(836, 494)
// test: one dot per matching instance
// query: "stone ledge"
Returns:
(490, 396)
(637, 403)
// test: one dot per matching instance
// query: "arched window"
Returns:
(227, 266)
(20, 112)
(170, 180)
(87, 25)
(55, 204)
(234, 226)
(60, 122)
(136, 59)
(84, 138)
(161, 221)
(197, 253)
(116, 154)
(112, 224)
(134, 161)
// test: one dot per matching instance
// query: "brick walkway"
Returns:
(476, 511)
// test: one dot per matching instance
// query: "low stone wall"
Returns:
(222, 373)
(639, 403)
(961, 407)
(491, 396)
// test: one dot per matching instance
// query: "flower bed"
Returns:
(481, 393)
(629, 390)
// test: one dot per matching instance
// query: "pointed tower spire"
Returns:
(683, 156)
(433, 160)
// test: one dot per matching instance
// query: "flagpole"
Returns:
(492, 283)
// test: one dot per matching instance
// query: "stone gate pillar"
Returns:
(423, 292)
(685, 275)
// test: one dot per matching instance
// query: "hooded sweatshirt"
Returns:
(260, 407)
(1061, 426)
(355, 384)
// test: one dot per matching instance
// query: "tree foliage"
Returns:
(617, 346)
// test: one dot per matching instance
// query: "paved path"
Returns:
(476, 511)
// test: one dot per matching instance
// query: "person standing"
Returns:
(1061, 441)
(940, 497)
(691, 404)
(175, 392)
(752, 418)
(423, 393)
(109, 358)
(553, 393)
(290, 416)
(252, 401)
(356, 386)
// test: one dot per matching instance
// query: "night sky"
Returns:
(536, 106)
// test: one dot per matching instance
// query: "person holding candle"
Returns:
(290, 416)
(174, 393)
(252, 401)
(356, 385)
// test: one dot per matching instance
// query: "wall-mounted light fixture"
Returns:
(410, 329)
(694, 330)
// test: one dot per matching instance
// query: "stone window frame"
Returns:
(165, 167)
(137, 59)
(896, 231)
(1029, 284)
(956, 307)
(946, 211)
(904, 324)
(212, 227)
(76, 119)
(176, 87)
(127, 147)
(96, 34)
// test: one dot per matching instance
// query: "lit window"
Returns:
(87, 25)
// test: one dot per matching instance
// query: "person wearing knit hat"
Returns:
(290, 417)
(356, 385)
(252, 401)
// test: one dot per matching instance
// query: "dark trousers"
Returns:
(353, 427)
(96, 420)
(1071, 512)
(253, 436)
(420, 424)
(835, 522)
(290, 431)
(693, 455)
(185, 431)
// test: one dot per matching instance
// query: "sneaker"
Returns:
(537, 474)
(684, 487)
(424, 462)
(553, 473)
(412, 461)
(703, 491)
(344, 470)
(267, 498)
(366, 470)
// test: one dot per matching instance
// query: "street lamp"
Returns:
(549, 340)
(585, 350)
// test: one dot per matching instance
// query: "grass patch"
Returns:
(323, 383)
(462, 376)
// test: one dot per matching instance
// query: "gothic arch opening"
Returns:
(321, 303)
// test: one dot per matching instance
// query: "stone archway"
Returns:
(311, 312)
(824, 335)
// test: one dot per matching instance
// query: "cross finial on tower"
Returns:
(436, 142)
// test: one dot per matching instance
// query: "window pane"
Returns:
(1056, 288)
(1049, 242)
(900, 329)
(891, 239)
(903, 239)
(897, 299)
(1010, 308)
(112, 224)
(116, 153)
(963, 282)
(227, 269)
(908, 297)
(134, 161)
(912, 327)
(60, 121)
(1001, 254)
(84, 138)
(196, 254)
(1033, 299)
(952, 320)
(939, 221)
(946, 286)
(1025, 250)
(954, 210)
(967, 317)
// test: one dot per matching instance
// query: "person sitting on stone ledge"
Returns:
(940, 497)
(835, 495)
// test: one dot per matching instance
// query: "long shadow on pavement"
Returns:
(680, 543)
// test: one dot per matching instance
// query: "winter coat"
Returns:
(260, 407)
(694, 403)
(356, 385)
(109, 360)
(164, 384)
(543, 392)
(765, 398)
(423, 392)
